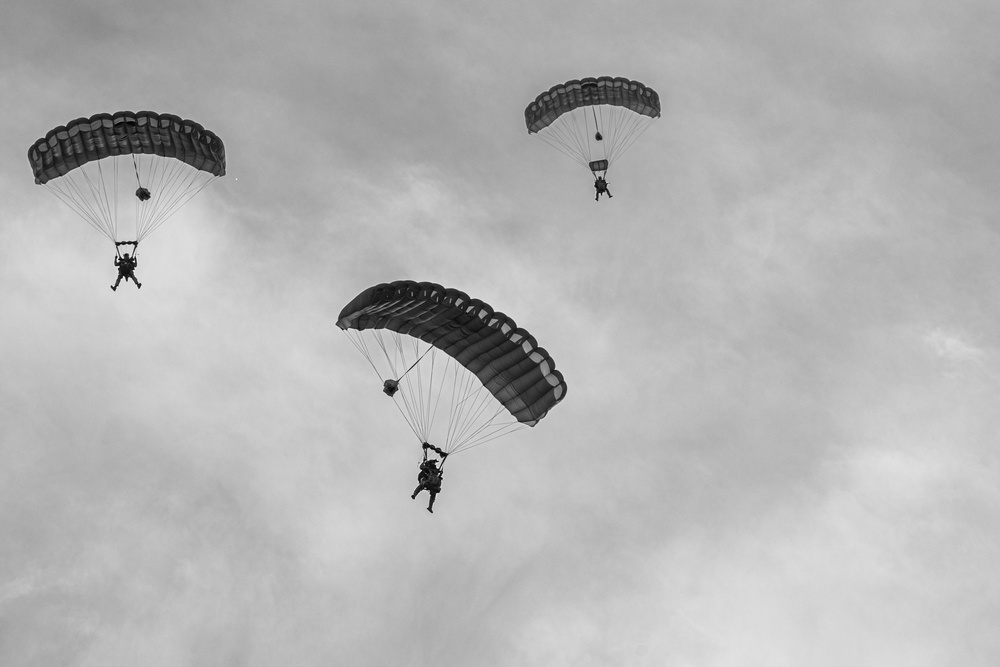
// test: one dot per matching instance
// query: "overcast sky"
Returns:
(779, 445)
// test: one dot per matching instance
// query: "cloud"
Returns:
(757, 458)
(951, 347)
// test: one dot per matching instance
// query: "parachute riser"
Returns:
(601, 166)
(134, 244)
(443, 454)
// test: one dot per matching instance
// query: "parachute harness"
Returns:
(443, 454)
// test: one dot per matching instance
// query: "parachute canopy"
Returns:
(158, 160)
(488, 374)
(593, 120)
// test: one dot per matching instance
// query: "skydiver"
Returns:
(430, 476)
(390, 387)
(601, 186)
(126, 268)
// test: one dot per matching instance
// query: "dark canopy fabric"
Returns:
(122, 133)
(505, 358)
(614, 91)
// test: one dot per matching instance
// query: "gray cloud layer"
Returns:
(779, 337)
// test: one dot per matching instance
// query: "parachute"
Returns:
(593, 120)
(95, 164)
(460, 372)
